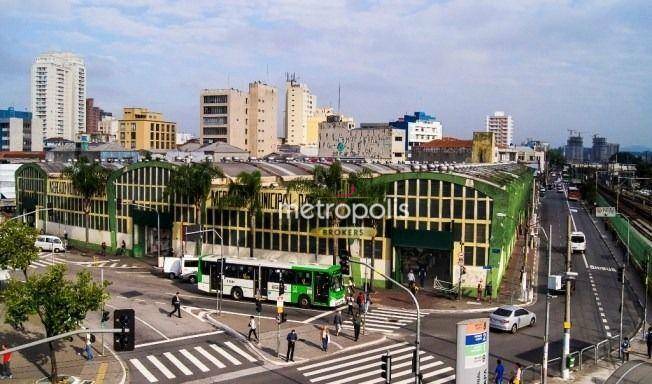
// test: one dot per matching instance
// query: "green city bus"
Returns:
(305, 285)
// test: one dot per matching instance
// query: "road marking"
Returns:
(210, 357)
(402, 373)
(101, 373)
(354, 362)
(225, 354)
(194, 360)
(586, 265)
(384, 348)
(433, 373)
(338, 372)
(311, 319)
(37, 264)
(144, 371)
(240, 352)
(178, 364)
(143, 321)
(178, 339)
(164, 370)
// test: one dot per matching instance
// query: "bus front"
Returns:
(336, 292)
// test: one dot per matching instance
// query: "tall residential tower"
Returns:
(300, 106)
(502, 125)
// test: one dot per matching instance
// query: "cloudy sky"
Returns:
(554, 65)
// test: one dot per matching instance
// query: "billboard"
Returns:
(473, 351)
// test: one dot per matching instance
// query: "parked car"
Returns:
(49, 243)
(184, 268)
(578, 242)
(511, 318)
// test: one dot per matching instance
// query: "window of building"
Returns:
(446, 189)
(469, 209)
(458, 190)
(468, 233)
(480, 256)
(457, 231)
(468, 256)
(457, 209)
(482, 210)
(481, 234)
(215, 110)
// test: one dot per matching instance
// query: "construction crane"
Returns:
(579, 133)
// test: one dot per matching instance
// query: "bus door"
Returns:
(214, 273)
(322, 284)
(261, 272)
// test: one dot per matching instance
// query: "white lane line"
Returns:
(240, 352)
(376, 324)
(178, 339)
(586, 265)
(37, 264)
(145, 372)
(427, 375)
(369, 373)
(372, 329)
(194, 360)
(113, 265)
(608, 334)
(339, 372)
(225, 354)
(164, 370)
(397, 374)
(606, 327)
(357, 361)
(178, 364)
(321, 364)
(210, 357)
(152, 327)
(408, 363)
(311, 319)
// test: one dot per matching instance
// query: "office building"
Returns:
(19, 131)
(502, 125)
(300, 106)
(58, 94)
(263, 116)
(338, 139)
(223, 117)
(94, 116)
(141, 128)
(420, 128)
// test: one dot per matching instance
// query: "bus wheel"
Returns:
(236, 293)
(304, 301)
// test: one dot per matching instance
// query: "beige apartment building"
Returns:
(338, 138)
(300, 106)
(263, 117)
(141, 128)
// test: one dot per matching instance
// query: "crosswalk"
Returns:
(190, 361)
(365, 367)
(106, 264)
(385, 320)
(47, 259)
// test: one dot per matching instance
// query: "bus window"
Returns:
(190, 263)
(230, 271)
(244, 272)
(289, 276)
(336, 283)
(303, 278)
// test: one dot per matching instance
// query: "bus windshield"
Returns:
(336, 283)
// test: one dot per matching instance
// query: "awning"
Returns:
(420, 238)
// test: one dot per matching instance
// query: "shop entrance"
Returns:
(146, 233)
(420, 249)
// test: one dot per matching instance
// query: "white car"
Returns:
(511, 318)
(578, 242)
(49, 243)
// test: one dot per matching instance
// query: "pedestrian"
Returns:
(479, 298)
(103, 248)
(123, 248)
(516, 379)
(360, 301)
(5, 371)
(624, 349)
(488, 291)
(292, 339)
(176, 305)
(88, 347)
(356, 327)
(422, 276)
(367, 302)
(325, 338)
(349, 303)
(648, 339)
(499, 372)
(411, 281)
(252, 329)
(337, 321)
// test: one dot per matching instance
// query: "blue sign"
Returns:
(478, 338)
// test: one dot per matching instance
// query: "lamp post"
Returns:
(220, 292)
(158, 227)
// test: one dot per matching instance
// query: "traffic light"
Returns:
(344, 261)
(621, 274)
(281, 288)
(105, 316)
(386, 367)
(125, 319)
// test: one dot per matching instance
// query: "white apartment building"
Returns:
(502, 125)
(300, 106)
(58, 94)
(107, 130)
(420, 128)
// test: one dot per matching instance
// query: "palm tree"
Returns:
(326, 186)
(368, 191)
(193, 182)
(244, 193)
(88, 180)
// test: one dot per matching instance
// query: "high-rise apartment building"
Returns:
(58, 94)
(502, 125)
(94, 115)
(262, 115)
(574, 150)
(144, 129)
(300, 106)
(223, 117)
(19, 131)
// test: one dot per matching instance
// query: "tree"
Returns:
(244, 193)
(88, 180)
(556, 158)
(193, 182)
(17, 249)
(325, 187)
(60, 304)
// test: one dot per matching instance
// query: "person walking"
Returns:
(337, 321)
(517, 374)
(488, 291)
(367, 302)
(499, 372)
(5, 371)
(349, 303)
(422, 276)
(411, 281)
(292, 339)
(356, 327)
(252, 329)
(176, 305)
(479, 297)
(624, 349)
(325, 338)
(103, 248)
(648, 340)
(89, 347)
(360, 301)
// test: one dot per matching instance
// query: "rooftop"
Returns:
(448, 142)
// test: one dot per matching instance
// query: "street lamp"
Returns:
(158, 228)
(219, 293)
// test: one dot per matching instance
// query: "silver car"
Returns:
(511, 318)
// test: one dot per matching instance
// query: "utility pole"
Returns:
(544, 365)
(622, 287)
(565, 372)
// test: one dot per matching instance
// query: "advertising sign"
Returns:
(473, 351)
(605, 211)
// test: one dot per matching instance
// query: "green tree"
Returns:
(17, 249)
(556, 158)
(244, 193)
(326, 187)
(88, 180)
(60, 304)
(192, 182)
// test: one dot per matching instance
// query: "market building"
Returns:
(454, 215)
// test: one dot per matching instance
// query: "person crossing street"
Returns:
(292, 339)
(337, 321)
(648, 341)
(624, 349)
(349, 303)
(325, 338)
(252, 329)
(176, 305)
(356, 327)
(5, 368)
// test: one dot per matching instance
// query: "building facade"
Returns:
(94, 115)
(574, 150)
(338, 139)
(108, 130)
(58, 94)
(141, 128)
(300, 106)
(223, 117)
(420, 128)
(445, 150)
(602, 151)
(502, 125)
(19, 131)
(263, 117)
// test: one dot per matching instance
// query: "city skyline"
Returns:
(455, 62)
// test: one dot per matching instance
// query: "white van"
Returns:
(578, 242)
(184, 268)
(49, 243)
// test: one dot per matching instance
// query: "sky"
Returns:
(553, 65)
